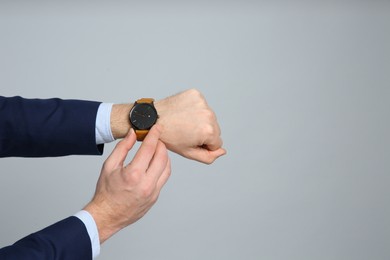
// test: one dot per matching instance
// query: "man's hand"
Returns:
(125, 192)
(189, 126)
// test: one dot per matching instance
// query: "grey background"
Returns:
(301, 91)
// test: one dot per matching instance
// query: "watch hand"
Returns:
(135, 112)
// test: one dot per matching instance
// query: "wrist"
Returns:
(102, 220)
(119, 121)
(162, 108)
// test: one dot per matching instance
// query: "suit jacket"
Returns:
(65, 240)
(49, 127)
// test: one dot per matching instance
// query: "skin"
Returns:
(125, 192)
(189, 127)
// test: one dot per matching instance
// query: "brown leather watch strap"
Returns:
(141, 134)
(145, 100)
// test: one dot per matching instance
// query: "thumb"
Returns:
(206, 156)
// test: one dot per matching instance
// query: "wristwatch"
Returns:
(143, 116)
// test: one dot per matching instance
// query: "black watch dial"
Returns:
(143, 116)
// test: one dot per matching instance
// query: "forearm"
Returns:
(47, 127)
(66, 239)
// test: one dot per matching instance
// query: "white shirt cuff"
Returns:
(92, 230)
(103, 125)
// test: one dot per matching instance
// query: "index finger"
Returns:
(118, 155)
(148, 147)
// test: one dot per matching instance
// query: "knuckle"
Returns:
(194, 92)
(167, 174)
(208, 130)
(106, 166)
(209, 115)
(197, 95)
(146, 191)
(155, 198)
(148, 145)
(168, 168)
(133, 177)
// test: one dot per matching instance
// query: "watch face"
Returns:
(143, 116)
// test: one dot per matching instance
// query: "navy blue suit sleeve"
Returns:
(64, 240)
(47, 127)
